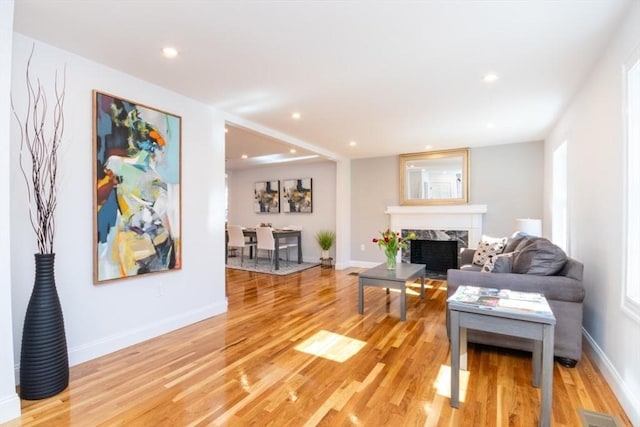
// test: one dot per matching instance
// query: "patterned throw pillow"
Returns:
(487, 267)
(488, 246)
(500, 263)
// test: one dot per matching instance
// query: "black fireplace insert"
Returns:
(437, 255)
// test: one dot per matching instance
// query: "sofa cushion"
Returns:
(515, 239)
(488, 246)
(559, 288)
(538, 256)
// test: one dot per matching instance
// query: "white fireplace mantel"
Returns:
(444, 217)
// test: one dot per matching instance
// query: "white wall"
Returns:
(9, 402)
(593, 129)
(102, 318)
(343, 213)
(374, 186)
(241, 206)
(507, 178)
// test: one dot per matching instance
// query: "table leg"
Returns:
(547, 375)
(463, 349)
(422, 286)
(403, 303)
(276, 253)
(299, 248)
(454, 317)
(360, 296)
(536, 362)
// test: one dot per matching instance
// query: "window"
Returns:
(631, 228)
(559, 198)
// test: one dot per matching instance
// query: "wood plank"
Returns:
(242, 367)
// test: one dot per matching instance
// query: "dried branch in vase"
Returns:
(40, 142)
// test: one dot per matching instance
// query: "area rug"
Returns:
(264, 266)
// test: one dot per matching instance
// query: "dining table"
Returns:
(278, 233)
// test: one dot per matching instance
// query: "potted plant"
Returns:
(325, 240)
(44, 361)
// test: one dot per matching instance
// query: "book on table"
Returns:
(501, 299)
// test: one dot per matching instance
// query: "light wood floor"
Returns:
(247, 367)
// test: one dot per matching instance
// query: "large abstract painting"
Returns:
(297, 195)
(266, 196)
(137, 209)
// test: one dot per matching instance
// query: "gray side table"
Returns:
(518, 323)
(396, 279)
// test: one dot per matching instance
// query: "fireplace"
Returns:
(461, 224)
(437, 255)
(437, 249)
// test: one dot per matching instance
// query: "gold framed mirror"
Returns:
(435, 178)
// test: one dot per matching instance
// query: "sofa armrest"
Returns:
(466, 256)
(558, 288)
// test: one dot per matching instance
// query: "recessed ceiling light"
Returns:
(490, 125)
(428, 147)
(352, 143)
(490, 77)
(296, 116)
(244, 156)
(169, 52)
(292, 151)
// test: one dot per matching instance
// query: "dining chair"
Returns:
(290, 242)
(266, 241)
(237, 241)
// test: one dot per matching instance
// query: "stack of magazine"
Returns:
(501, 299)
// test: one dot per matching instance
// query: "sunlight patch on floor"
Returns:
(410, 290)
(443, 382)
(413, 288)
(331, 346)
(440, 286)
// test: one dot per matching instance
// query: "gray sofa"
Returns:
(564, 291)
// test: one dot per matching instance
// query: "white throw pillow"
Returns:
(488, 246)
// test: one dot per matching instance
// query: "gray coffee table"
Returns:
(517, 323)
(396, 279)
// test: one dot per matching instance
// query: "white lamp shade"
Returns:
(532, 227)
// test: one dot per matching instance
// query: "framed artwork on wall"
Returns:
(137, 196)
(297, 195)
(266, 197)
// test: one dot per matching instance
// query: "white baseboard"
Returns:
(106, 345)
(630, 403)
(362, 264)
(9, 407)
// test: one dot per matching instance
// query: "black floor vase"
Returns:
(44, 362)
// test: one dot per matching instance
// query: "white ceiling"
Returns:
(261, 150)
(394, 76)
